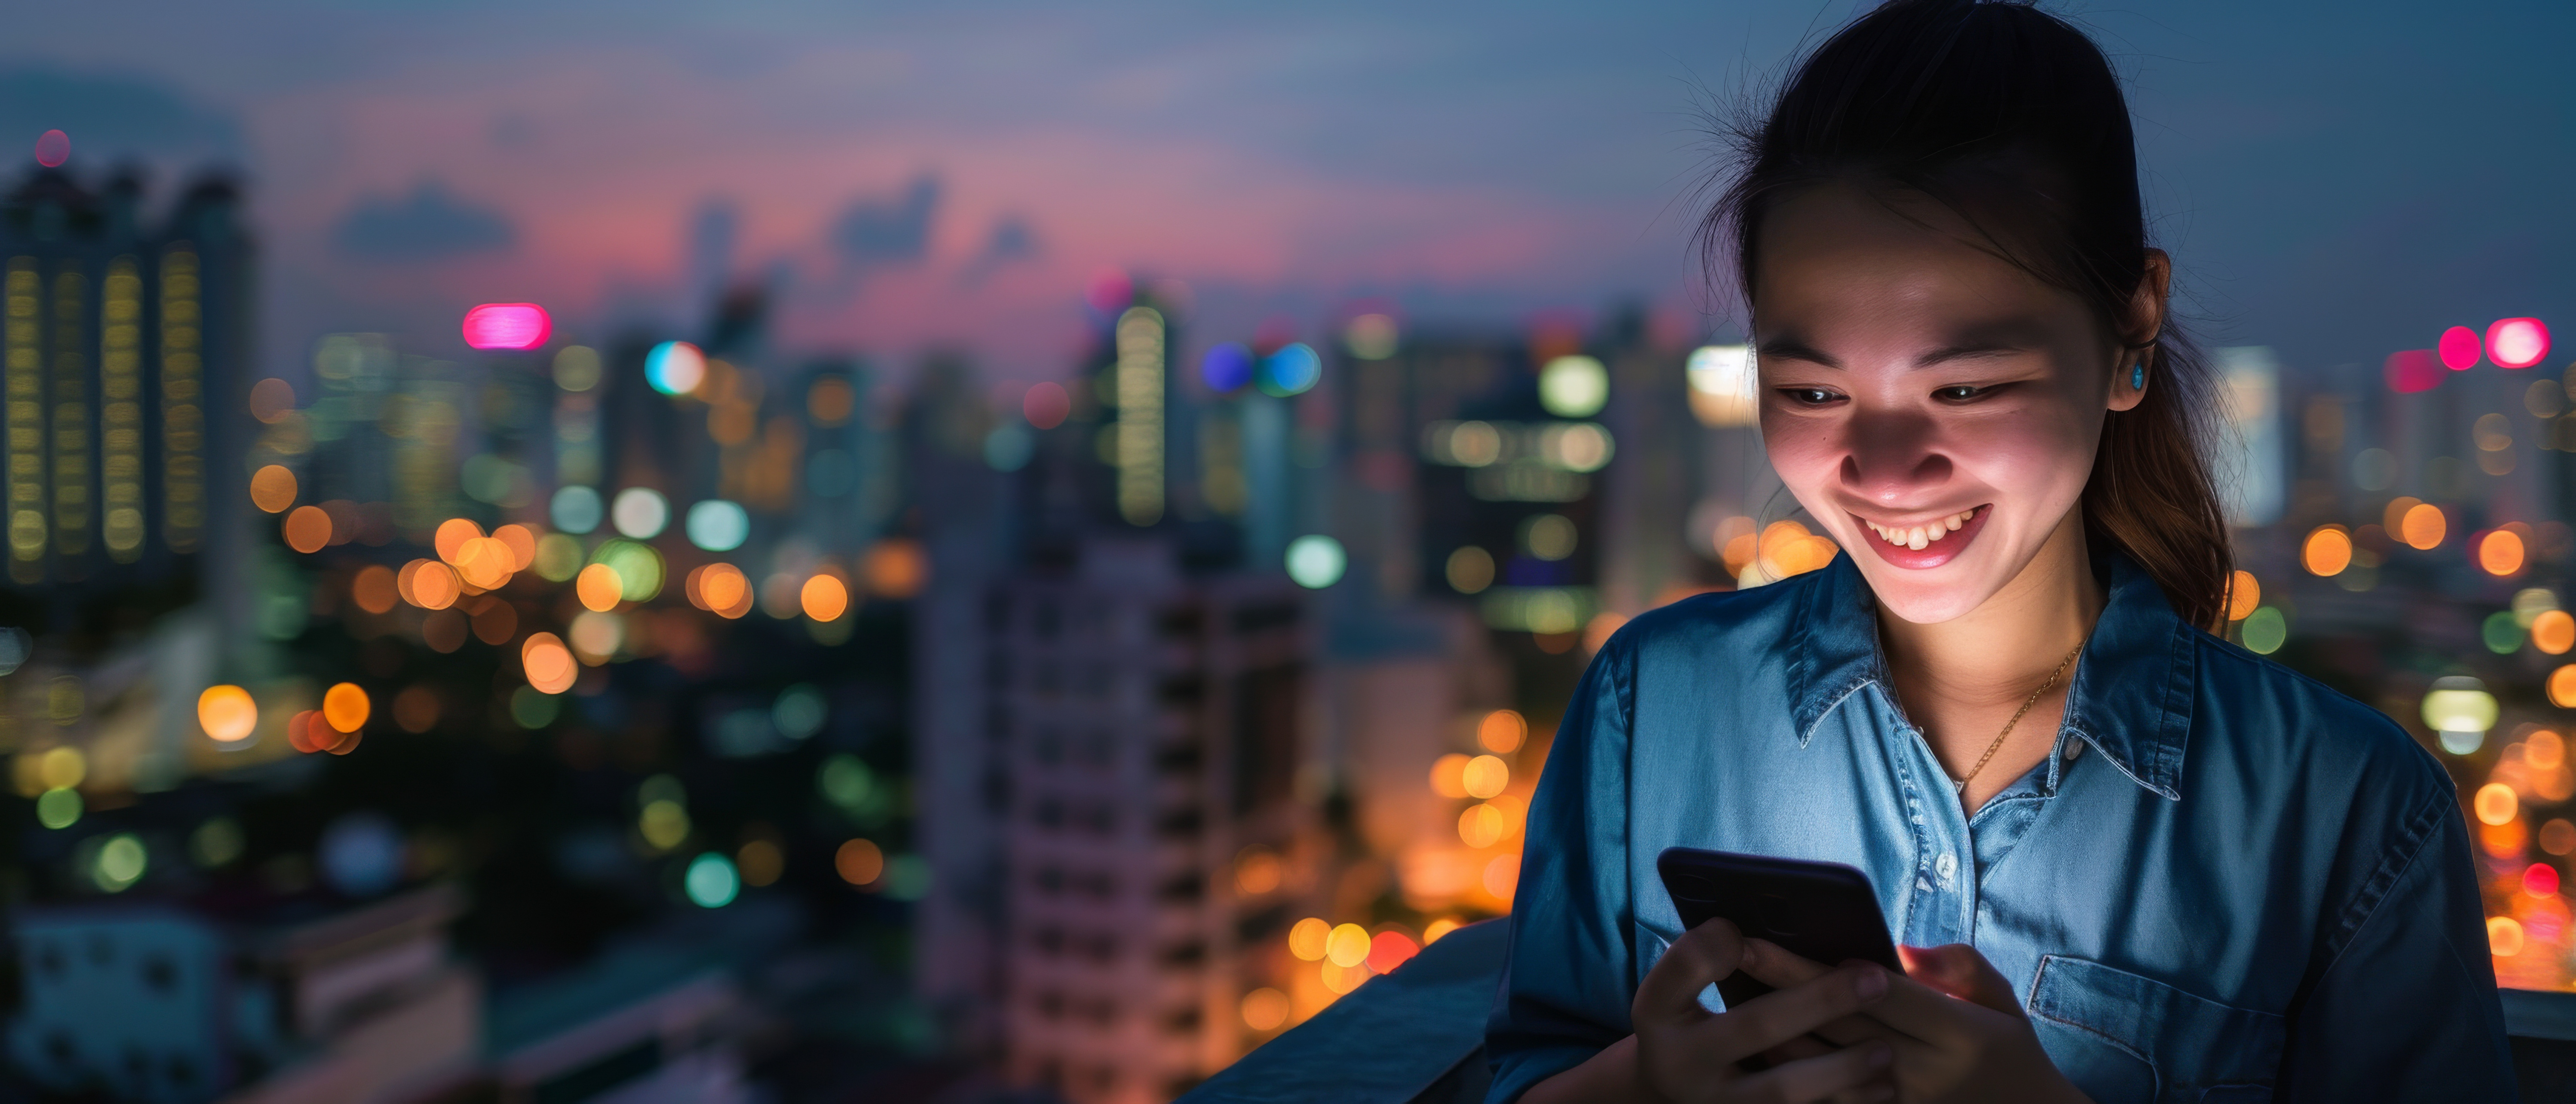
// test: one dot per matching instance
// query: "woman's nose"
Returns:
(1892, 459)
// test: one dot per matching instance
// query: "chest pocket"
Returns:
(2125, 1039)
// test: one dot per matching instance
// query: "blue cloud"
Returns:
(888, 230)
(428, 225)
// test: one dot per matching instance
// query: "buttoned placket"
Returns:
(1953, 849)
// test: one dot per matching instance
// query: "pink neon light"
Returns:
(2540, 880)
(53, 147)
(2412, 371)
(2459, 347)
(2517, 342)
(507, 326)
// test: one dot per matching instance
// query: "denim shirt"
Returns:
(2226, 882)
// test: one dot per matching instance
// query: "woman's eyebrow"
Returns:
(1791, 349)
(1969, 350)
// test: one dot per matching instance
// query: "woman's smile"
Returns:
(1925, 544)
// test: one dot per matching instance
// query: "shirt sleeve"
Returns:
(1566, 982)
(2407, 1009)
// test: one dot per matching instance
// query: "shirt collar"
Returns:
(2134, 686)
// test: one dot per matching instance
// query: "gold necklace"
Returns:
(1961, 784)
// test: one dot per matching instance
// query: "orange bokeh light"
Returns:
(2423, 526)
(307, 529)
(375, 589)
(859, 862)
(2500, 552)
(2553, 632)
(897, 568)
(722, 589)
(452, 535)
(272, 488)
(522, 543)
(599, 588)
(2328, 550)
(1502, 731)
(824, 598)
(227, 713)
(548, 664)
(483, 562)
(2562, 687)
(429, 584)
(345, 707)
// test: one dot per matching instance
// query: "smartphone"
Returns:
(1821, 911)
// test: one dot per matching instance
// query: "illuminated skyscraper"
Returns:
(123, 357)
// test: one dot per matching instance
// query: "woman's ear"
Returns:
(2136, 370)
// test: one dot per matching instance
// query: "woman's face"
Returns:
(1935, 407)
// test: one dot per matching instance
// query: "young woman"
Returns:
(2129, 861)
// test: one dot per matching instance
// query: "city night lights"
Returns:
(765, 557)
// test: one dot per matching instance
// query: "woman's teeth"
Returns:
(1915, 537)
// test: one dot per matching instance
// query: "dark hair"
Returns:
(2012, 118)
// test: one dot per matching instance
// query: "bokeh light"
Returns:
(640, 512)
(1502, 731)
(897, 567)
(58, 808)
(306, 529)
(1390, 949)
(520, 542)
(2459, 348)
(859, 862)
(576, 510)
(345, 707)
(2500, 552)
(2244, 594)
(760, 861)
(53, 147)
(429, 584)
(374, 589)
(1316, 561)
(507, 326)
(271, 400)
(2517, 342)
(120, 862)
(1371, 336)
(272, 488)
(1485, 776)
(824, 598)
(1046, 405)
(1574, 386)
(1723, 387)
(2553, 632)
(1470, 570)
(1481, 825)
(712, 881)
(548, 665)
(227, 713)
(1308, 938)
(449, 540)
(1257, 870)
(2327, 551)
(2413, 371)
(675, 368)
(2423, 526)
(576, 368)
(1293, 369)
(1226, 368)
(599, 588)
(2495, 803)
(1449, 775)
(717, 525)
(1265, 1009)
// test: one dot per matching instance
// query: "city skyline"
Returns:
(923, 182)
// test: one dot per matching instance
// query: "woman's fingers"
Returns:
(1847, 1071)
(1777, 1017)
(1702, 957)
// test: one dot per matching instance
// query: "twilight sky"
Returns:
(2337, 180)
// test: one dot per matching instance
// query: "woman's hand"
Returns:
(1684, 1053)
(1956, 1029)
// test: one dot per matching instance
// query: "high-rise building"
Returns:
(1148, 728)
(124, 353)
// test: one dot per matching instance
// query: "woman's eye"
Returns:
(1808, 396)
(1959, 392)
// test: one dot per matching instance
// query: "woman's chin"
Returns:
(1927, 597)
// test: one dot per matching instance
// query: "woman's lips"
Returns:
(1930, 544)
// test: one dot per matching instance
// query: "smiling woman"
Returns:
(1965, 367)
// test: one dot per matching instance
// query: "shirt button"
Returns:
(2074, 749)
(1946, 866)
